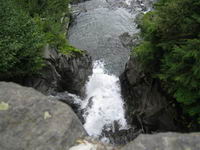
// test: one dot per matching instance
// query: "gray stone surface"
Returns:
(165, 141)
(62, 73)
(146, 105)
(90, 144)
(160, 141)
(31, 121)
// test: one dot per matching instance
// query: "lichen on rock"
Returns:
(47, 115)
(35, 120)
(4, 106)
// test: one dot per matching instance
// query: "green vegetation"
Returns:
(51, 16)
(170, 50)
(21, 41)
(25, 28)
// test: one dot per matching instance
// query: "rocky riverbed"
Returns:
(105, 87)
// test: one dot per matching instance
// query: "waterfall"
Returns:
(103, 104)
(105, 28)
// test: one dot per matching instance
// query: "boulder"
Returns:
(62, 73)
(90, 144)
(73, 101)
(161, 141)
(165, 141)
(121, 136)
(31, 121)
(147, 107)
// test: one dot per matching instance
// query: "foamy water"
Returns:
(103, 104)
(94, 31)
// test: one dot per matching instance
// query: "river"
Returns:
(98, 27)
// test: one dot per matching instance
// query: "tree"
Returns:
(170, 50)
(51, 16)
(21, 41)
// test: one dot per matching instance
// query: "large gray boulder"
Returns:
(147, 106)
(165, 141)
(161, 141)
(31, 121)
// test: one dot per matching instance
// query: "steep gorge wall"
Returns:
(146, 105)
(62, 73)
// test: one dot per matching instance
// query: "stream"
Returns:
(101, 27)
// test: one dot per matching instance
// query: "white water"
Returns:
(103, 104)
(128, 2)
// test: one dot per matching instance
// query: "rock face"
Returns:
(62, 73)
(165, 141)
(31, 121)
(146, 105)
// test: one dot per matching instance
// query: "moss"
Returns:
(70, 50)
(4, 106)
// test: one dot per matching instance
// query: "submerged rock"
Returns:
(147, 107)
(31, 121)
(165, 141)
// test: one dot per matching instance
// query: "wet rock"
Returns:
(121, 136)
(73, 101)
(147, 106)
(130, 40)
(165, 141)
(141, 6)
(90, 102)
(62, 73)
(31, 121)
